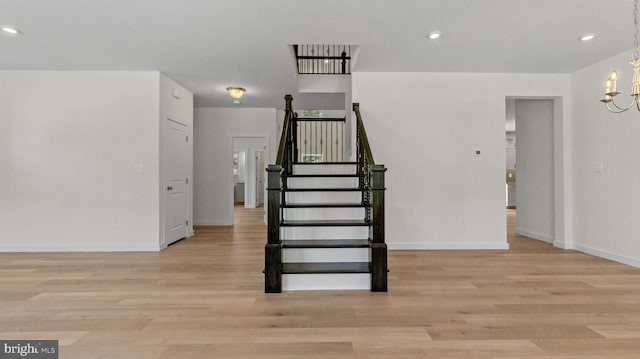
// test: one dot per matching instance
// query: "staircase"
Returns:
(326, 219)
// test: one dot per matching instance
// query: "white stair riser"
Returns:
(355, 213)
(309, 255)
(343, 281)
(346, 232)
(334, 169)
(323, 197)
(323, 182)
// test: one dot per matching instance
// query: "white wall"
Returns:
(176, 104)
(607, 212)
(439, 194)
(213, 128)
(69, 146)
(534, 158)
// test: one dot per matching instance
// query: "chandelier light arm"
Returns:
(622, 108)
(615, 109)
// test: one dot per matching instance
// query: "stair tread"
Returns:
(326, 243)
(315, 189)
(323, 205)
(325, 223)
(325, 267)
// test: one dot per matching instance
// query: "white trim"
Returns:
(538, 236)
(447, 245)
(562, 174)
(607, 255)
(213, 223)
(153, 247)
(561, 244)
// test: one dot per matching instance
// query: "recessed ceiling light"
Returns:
(434, 35)
(10, 30)
(587, 37)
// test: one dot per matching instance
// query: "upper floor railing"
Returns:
(323, 59)
(318, 139)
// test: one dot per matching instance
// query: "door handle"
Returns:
(169, 188)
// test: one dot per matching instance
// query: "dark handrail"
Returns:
(276, 184)
(288, 115)
(363, 135)
(372, 183)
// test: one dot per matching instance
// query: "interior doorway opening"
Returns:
(248, 160)
(530, 177)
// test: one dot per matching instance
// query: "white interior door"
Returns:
(176, 180)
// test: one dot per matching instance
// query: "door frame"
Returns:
(229, 167)
(163, 181)
(562, 171)
(254, 154)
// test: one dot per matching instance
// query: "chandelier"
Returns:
(611, 90)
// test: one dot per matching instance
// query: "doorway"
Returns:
(249, 157)
(530, 167)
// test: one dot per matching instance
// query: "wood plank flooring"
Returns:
(203, 298)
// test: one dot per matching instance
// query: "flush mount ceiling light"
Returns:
(10, 30)
(236, 92)
(611, 90)
(434, 35)
(587, 37)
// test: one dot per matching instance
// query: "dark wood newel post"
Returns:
(378, 246)
(273, 249)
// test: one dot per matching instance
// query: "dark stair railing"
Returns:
(276, 184)
(318, 139)
(371, 183)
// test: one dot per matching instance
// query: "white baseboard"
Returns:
(155, 247)
(220, 222)
(607, 255)
(538, 236)
(447, 245)
(562, 245)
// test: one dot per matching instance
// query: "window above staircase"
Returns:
(323, 59)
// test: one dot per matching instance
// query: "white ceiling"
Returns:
(208, 45)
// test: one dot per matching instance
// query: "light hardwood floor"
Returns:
(202, 298)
